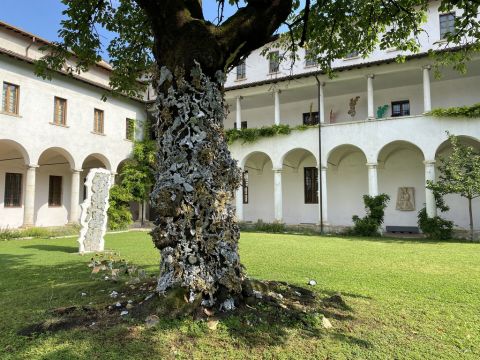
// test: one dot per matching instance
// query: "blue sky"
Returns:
(42, 17)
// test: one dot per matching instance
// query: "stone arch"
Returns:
(458, 205)
(97, 158)
(464, 139)
(299, 187)
(5, 144)
(393, 147)
(347, 182)
(296, 155)
(13, 158)
(336, 155)
(54, 175)
(258, 158)
(400, 166)
(57, 151)
(258, 168)
(389, 149)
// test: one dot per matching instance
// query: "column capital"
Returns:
(372, 165)
(370, 76)
(277, 170)
(429, 162)
(74, 171)
(32, 166)
(323, 167)
(427, 67)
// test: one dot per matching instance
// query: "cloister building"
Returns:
(375, 134)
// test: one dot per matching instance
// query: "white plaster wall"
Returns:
(456, 92)
(257, 65)
(295, 211)
(346, 185)
(24, 46)
(52, 215)
(11, 217)
(404, 168)
(445, 93)
(349, 182)
(32, 129)
(260, 201)
(36, 114)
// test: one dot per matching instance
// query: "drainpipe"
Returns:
(320, 185)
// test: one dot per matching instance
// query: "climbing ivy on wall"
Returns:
(472, 111)
(250, 135)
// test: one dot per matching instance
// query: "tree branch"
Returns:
(251, 27)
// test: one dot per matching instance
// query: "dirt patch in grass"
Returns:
(269, 306)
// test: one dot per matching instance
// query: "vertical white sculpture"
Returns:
(94, 211)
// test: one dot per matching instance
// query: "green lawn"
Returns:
(408, 299)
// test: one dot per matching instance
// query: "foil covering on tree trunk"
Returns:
(196, 229)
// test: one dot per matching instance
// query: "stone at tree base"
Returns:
(151, 321)
(326, 323)
(94, 211)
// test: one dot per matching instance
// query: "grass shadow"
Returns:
(59, 248)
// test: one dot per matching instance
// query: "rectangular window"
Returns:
(10, 98)
(60, 115)
(245, 186)
(243, 125)
(309, 60)
(241, 71)
(310, 118)
(400, 108)
(310, 182)
(130, 129)
(274, 62)
(13, 190)
(98, 121)
(55, 191)
(447, 24)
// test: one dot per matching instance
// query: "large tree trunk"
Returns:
(196, 229)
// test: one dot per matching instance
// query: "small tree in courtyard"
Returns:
(459, 174)
(370, 224)
(137, 175)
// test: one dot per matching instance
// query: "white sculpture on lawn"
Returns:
(94, 211)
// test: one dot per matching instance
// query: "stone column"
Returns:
(322, 103)
(371, 103)
(29, 199)
(239, 203)
(278, 195)
(323, 176)
(372, 179)
(239, 112)
(277, 107)
(427, 97)
(429, 198)
(74, 214)
(144, 210)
